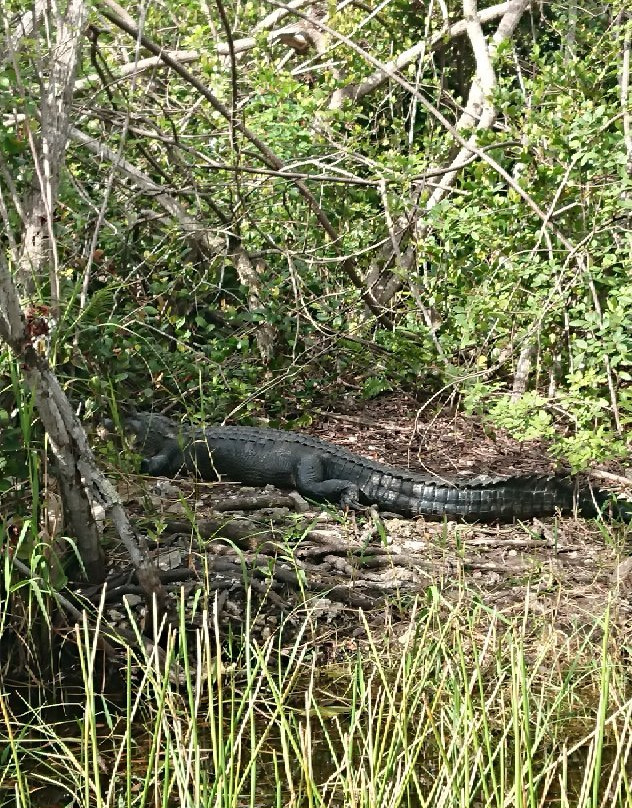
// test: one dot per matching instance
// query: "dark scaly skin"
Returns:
(325, 472)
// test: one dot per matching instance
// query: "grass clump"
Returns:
(461, 705)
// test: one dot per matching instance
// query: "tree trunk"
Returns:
(85, 491)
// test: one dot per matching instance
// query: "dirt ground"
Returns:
(297, 559)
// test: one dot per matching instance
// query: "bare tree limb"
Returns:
(23, 27)
(513, 10)
(85, 491)
(186, 57)
(266, 24)
(479, 111)
(440, 118)
(59, 65)
(381, 76)
(113, 12)
(193, 228)
(59, 421)
(132, 69)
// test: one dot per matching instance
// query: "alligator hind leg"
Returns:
(310, 482)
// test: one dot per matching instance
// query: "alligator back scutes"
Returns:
(265, 436)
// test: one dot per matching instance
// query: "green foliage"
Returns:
(11, 456)
(150, 316)
(525, 418)
(587, 444)
(534, 417)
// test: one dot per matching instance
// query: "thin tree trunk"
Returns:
(57, 64)
(85, 491)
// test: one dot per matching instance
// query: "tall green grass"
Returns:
(459, 706)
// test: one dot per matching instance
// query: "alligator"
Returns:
(325, 472)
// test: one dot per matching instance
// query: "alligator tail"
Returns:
(505, 500)
(595, 502)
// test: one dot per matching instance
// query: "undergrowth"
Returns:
(460, 705)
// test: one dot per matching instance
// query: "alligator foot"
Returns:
(352, 503)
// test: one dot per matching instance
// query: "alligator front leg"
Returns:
(166, 463)
(310, 481)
